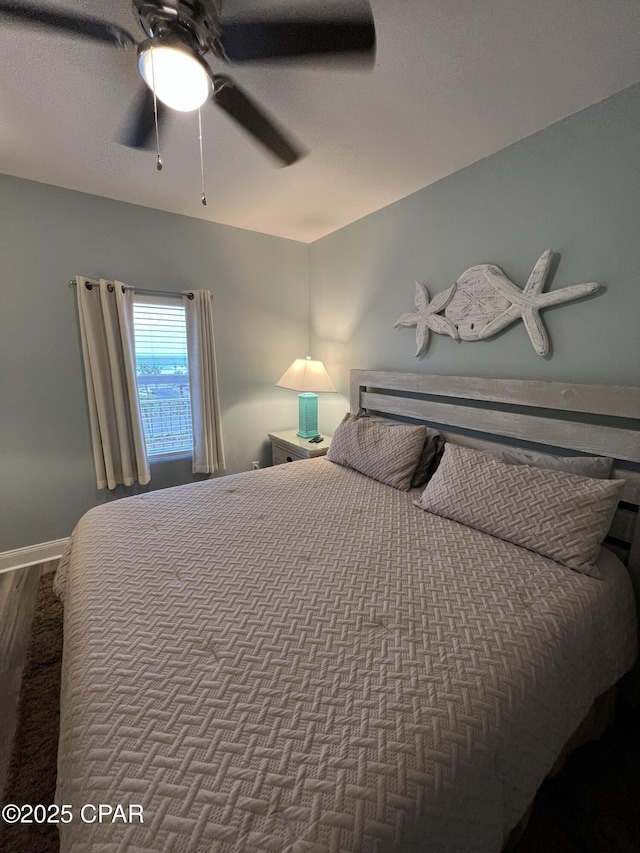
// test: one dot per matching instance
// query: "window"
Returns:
(162, 372)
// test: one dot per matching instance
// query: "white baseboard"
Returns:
(32, 555)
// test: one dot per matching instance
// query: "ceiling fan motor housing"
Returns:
(195, 23)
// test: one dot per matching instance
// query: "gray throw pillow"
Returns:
(429, 458)
(598, 467)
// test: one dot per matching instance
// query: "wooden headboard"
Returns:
(549, 417)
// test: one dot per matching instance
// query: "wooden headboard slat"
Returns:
(615, 400)
(619, 443)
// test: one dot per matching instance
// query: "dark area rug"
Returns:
(31, 776)
(591, 806)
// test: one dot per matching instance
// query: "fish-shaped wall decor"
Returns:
(483, 301)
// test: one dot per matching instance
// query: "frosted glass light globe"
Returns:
(180, 81)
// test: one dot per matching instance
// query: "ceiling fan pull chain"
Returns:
(155, 114)
(204, 197)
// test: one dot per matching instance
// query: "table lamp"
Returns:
(310, 378)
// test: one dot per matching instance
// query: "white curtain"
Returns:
(105, 310)
(208, 450)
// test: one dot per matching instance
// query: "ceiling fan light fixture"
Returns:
(178, 77)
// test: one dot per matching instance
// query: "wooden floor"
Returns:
(17, 600)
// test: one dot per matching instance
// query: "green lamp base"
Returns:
(307, 415)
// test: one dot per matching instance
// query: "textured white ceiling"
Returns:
(454, 81)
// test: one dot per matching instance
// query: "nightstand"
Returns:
(286, 446)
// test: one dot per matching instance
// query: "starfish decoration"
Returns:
(529, 302)
(425, 317)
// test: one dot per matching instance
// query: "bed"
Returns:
(304, 658)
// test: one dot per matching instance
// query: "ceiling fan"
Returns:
(179, 35)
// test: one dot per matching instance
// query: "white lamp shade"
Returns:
(178, 77)
(306, 374)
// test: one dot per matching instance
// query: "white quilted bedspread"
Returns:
(299, 660)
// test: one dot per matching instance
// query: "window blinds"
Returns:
(162, 369)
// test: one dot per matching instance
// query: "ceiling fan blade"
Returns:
(73, 25)
(237, 104)
(139, 129)
(246, 40)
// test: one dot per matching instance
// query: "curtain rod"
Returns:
(170, 293)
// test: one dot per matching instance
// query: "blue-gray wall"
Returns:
(573, 188)
(47, 235)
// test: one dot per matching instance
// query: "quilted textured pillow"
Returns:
(560, 515)
(385, 452)
(430, 455)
